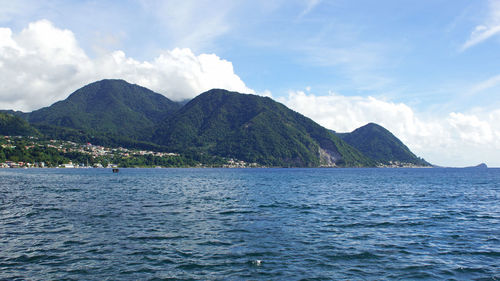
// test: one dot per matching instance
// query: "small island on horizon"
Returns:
(480, 166)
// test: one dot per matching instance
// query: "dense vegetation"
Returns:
(254, 129)
(381, 145)
(210, 129)
(34, 150)
(108, 107)
(19, 153)
(15, 126)
(101, 138)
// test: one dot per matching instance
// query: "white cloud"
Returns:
(265, 93)
(43, 64)
(484, 31)
(192, 23)
(456, 139)
(310, 5)
(485, 85)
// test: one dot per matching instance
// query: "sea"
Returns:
(250, 224)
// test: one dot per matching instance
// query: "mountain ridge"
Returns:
(216, 123)
(108, 106)
(381, 145)
(11, 125)
(256, 129)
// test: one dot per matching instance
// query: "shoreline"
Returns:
(219, 167)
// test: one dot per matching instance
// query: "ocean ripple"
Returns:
(249, 224)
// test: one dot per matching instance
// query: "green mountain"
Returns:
(254, 129)
(15, 113)
(381, 145)
(107, 107)
(215, 124)
(11, 125)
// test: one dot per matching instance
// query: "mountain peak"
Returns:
(372, 126)
(380, 144)
(108, 87)
(220, 93)
(254, 129)
(217, 122)
(110, 106)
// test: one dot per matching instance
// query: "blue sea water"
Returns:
(250, 224)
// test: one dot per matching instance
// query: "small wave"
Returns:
(235, 212)
(70, 190)
(106, 215)
(99, 251)
(157, 237)
(56, 230)
(357, 271)
(473, 253)
(190, 266)
(486, 217)
(424, 267)
(237, 230)
(273, 205)
(260, 254)
(471, 270)
(440, 217)
(183, 254)
(74, 242)
(346, 225)
(417, 275)
(493, 239)
(51, 209)
(32, 213)
(80, 271)
(39, 211)
(447, 273)
(32, 259)
(486, 253)
(139, 270)
(145, 270)
(214, 243)
(41, 186)
(165, 261)
(358, 256)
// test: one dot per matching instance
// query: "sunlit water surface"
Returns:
(249, 224)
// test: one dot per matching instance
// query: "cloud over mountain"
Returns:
(453, 139)
(42, 64)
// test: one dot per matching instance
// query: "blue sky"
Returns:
(427, 70)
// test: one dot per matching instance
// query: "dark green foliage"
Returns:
(15, 126)
(215, 125)
(20, 153)
(153, 161)
(381, 145)
(108, 107)
(253, 129)
(34, 150)
(21, 114)
(98, 138)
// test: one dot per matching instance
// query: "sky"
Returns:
(428, 71)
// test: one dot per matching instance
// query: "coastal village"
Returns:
(102, 156)
(398, 164)
(100, 153)
(95, 151)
